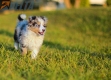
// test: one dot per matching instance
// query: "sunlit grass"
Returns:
(77, 46)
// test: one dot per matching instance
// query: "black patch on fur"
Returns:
(33, 17)
(34, 23)
(19, 18)
(15, 37)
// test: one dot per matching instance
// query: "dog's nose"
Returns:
(43, 30)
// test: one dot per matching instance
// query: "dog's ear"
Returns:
(30, 19)
(45, 19)
(33, 17)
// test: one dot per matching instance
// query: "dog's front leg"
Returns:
(34, 53)
(23, 49)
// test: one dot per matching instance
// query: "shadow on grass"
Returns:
(6, 33)
(59, 46)
(81, 50)
(7, 46)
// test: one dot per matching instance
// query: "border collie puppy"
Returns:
(29, 34)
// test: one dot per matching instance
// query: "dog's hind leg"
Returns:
(16, 45)
(34, 53)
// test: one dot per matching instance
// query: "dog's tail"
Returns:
(21, 17)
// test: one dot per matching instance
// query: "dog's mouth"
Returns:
(41, 33)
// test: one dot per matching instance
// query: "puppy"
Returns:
(29, 35)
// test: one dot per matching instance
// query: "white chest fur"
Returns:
(32, 40)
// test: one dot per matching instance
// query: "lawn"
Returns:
(77, 46)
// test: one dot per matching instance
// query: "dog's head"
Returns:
(37, 24)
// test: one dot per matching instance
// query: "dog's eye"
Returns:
(45, 26)
(38, 25)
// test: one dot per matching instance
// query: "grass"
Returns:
(77, 46)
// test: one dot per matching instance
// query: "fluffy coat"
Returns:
(29, 35)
